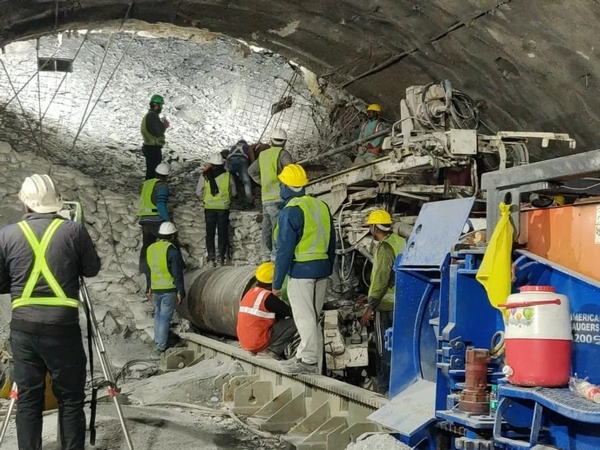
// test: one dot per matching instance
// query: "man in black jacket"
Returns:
(42, 258)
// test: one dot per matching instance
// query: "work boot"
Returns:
(287, 362)
(210, 261)
(298, 368)
(222, 261)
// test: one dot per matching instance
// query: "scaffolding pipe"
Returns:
(214, 296)
(345, 147)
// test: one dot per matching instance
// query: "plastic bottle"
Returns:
(493, 399)
(585, 389)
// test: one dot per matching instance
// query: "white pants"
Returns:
(306, 299)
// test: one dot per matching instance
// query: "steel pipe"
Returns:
(213, 297)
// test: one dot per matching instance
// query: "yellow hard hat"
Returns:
(374, 107)
(293, 175)
(559, 200)
(265, 272)
(379, 217)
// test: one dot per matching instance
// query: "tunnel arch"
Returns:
(533, 63)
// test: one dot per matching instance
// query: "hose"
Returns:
(497, 345)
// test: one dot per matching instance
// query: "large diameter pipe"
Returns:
(213, 297)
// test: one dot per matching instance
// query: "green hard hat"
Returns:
(157, 99)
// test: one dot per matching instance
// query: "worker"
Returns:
(381, 296)
(265, 325)
(42, 258)
(371, 150)
(153, 133)
(164, 275)
(264, 171)
(153, 209)
(215, 188)
(238, 162)
(306, 251)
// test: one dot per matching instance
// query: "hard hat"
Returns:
(293, 175)
(167, 228)
(559, 200)
(40, 195)
(158, 99)
(216, 159)
(163, 169)
(379, 217)
(279, 136)
(265, 272)
(374, 107)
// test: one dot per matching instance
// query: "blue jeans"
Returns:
(164, 306)
(269, 221)
(238, 165)
(64, 358)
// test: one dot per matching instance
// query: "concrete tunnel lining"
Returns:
(531, 63)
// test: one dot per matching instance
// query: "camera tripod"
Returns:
(94, 342)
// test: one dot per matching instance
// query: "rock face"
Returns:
(534, 63)
(111, 221)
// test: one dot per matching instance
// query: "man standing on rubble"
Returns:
(237, 163)
(153, 132)
(42, 258)
(306, 251)
(215, 188)
(264, 171)
(265, 325)
(164, 276)
(153, 209)
(381, 295)
(371, 150)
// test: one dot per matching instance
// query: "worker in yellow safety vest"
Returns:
(305, 251)
(153, 133)
(215, 188)
(369, 151)
(42, 258)
(166, 287)
(381, 296)
(264, 171)
(153, 209)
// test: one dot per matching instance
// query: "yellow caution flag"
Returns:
(495, 270)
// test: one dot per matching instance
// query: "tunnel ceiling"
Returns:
(534, 62)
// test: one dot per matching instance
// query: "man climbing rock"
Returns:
(153, 132)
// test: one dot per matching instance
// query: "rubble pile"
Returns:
(112, 223)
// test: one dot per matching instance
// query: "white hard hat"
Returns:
(216, 159)
(163, 169)
(167, 228)
(279, 136)
(40, 195)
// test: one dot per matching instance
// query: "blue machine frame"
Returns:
(441, 311)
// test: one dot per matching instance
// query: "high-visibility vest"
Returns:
(149, 138)
(160, 277)
(255, 321)
(371, 127)
(146, 206)
(267, 162)
(316, 232)
(223, 199)
(397, 243)
(40, 268)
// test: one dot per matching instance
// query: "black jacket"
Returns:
(71, 254)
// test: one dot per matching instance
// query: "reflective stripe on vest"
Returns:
(146, 207)
(316, 232)
(149, 138)
(267, 162)
(223, 199)
(397, 243)
(160, 277)
(40, 268)
(255, 309)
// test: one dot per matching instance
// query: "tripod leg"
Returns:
(11, 405)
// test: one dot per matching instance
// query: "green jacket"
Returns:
(381, 295)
